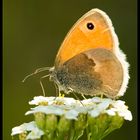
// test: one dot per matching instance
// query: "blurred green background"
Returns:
(32, 33)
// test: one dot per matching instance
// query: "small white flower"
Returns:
(96, 99)
(22, 128)
(104, 104)
(35, 134)
(128, 115)
(82, 109)
(119, 104)
(72, 114)
(100, 107)
(38, 99)
(67, 101)
(17, 130)
(87, 101)
(47, 110)
(122, 109)
(94, 113)
(110, 112)
(31, 126)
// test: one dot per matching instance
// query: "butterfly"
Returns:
(89, 60)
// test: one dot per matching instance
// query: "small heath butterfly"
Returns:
(89, 61)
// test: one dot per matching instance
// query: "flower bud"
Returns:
(40, 120)
(64, 124)
(51, 123)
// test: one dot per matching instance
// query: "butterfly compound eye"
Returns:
(90, 26)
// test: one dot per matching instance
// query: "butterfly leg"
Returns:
(71, 91)
(77, 98)
(41, 84)
(56, 89)
(58, 92)
(102, 95)
(83, 96)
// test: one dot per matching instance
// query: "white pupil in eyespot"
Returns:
(90, 26)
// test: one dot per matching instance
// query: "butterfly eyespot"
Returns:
(90, 26)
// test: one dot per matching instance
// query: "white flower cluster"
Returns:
(71, 108)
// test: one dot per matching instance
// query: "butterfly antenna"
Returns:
(41, 83)
(36, 71)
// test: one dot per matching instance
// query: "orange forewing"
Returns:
(81, 39)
